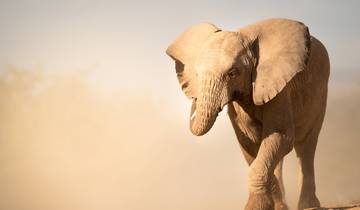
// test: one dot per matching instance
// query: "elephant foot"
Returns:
(261, 201)
(308, 201)
(277, 196)
(280, 206)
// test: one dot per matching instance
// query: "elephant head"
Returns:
(215, 66)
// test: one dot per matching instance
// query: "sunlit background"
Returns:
(92, 116)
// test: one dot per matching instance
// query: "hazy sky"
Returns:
(123, 42)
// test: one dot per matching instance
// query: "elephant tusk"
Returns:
(193, 115)
(226, 108)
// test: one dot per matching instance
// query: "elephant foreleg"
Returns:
(262, 181)
(278, 190)
(279, 177)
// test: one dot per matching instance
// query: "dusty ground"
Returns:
(349, 207)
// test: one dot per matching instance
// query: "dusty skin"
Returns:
(273, 75)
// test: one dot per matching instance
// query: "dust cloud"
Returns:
(63, 145)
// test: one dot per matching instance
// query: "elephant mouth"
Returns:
(193, 109)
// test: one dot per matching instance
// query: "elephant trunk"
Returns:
(206, 107)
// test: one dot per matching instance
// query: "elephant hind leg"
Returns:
(305, 152)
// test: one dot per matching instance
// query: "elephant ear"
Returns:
(184, 50)
(283, 48)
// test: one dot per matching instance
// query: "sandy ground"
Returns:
(349, 207)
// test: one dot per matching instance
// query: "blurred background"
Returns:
(92, 116)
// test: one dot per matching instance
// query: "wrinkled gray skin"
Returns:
(273, 76)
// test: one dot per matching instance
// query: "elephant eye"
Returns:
(233, 72)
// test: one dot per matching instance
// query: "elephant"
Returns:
(273, 76)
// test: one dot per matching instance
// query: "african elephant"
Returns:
(273, 75)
